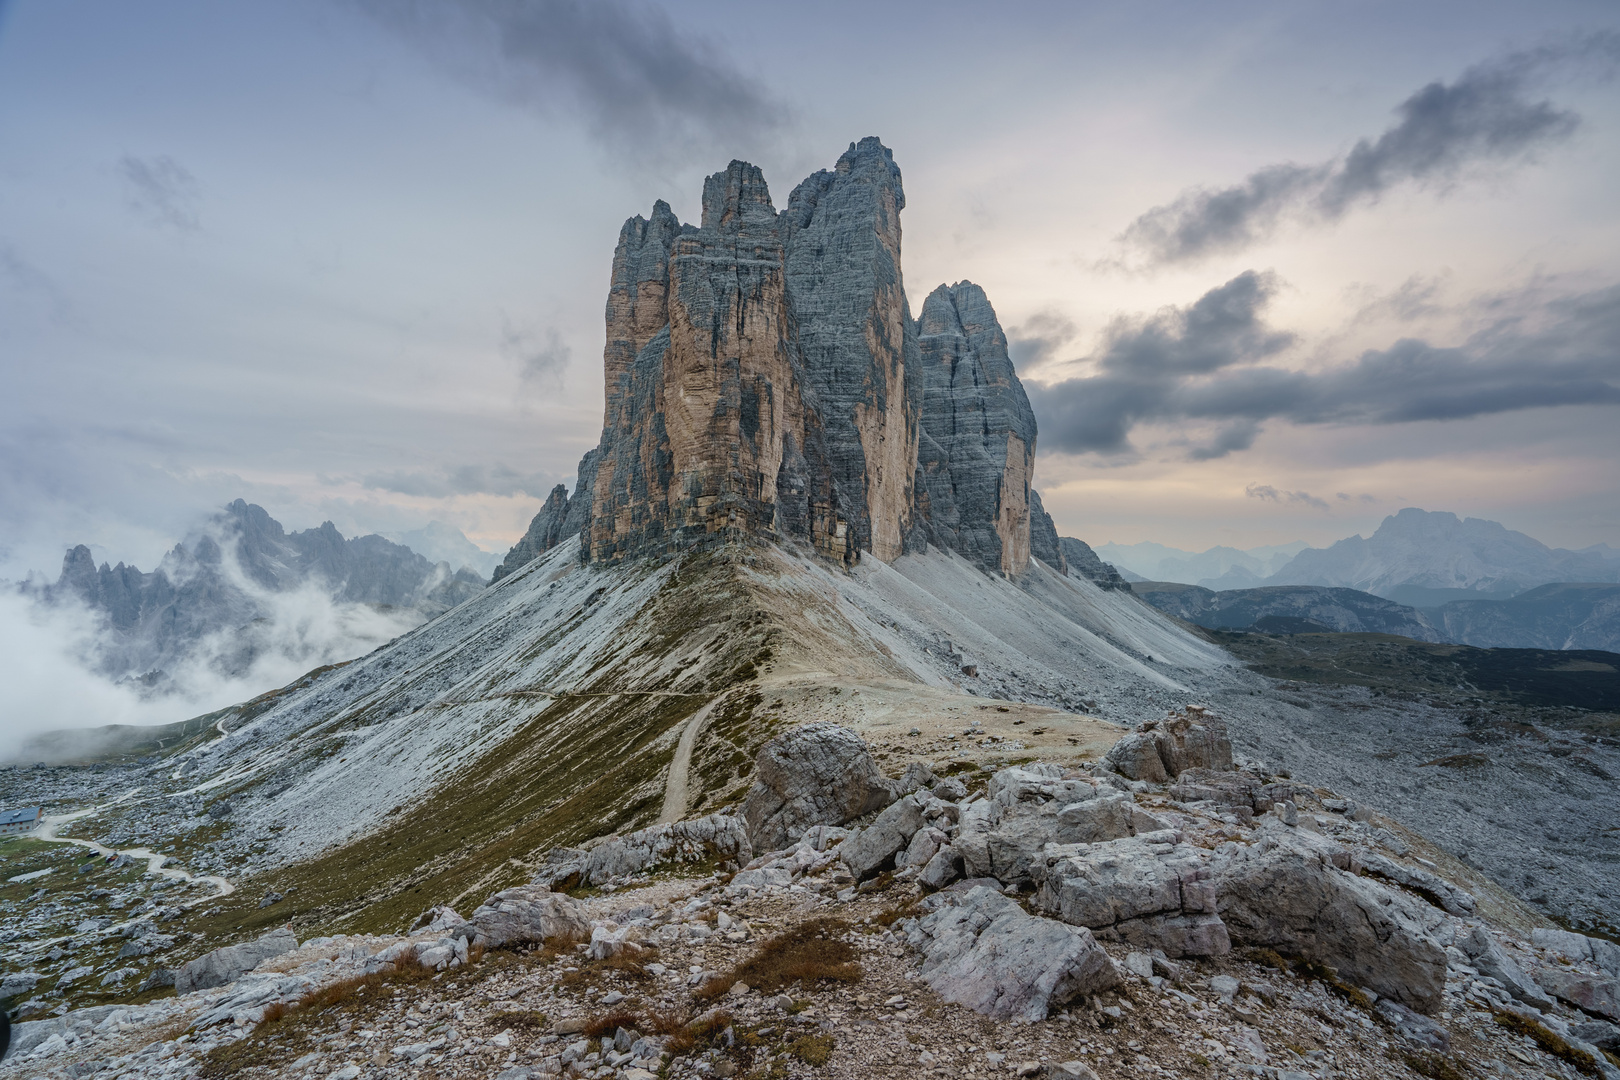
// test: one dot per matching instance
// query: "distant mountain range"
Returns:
(1425, 559)
(1557, 616)
(1233, 568)
(244, 588)
(1416, 557)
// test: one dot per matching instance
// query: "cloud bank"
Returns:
(55, 679)
(1201, 364)
(1487, 116)
(639, 83)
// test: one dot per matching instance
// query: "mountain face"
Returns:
(1424, 559)
(222, 584)
(1289, 609)
(1217, 568)
(765, 378)
(1559, 616)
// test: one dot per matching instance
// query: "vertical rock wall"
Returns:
(855, 333)
(979, 453)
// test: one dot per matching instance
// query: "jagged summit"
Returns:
(765, 378)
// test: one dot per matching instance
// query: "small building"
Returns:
(21, 821)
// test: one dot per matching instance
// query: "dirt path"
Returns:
(680, 767)
(154, 860)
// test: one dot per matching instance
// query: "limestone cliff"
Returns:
(979, 451)
(855, 333)
(1044, 542)
(764, 377)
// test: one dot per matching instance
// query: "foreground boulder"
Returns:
(1028, 808)
(819, 774)
(230, 963)
(716, 838)
(528, 913)
(1292, 892)
(1152, 891)
(983, 951)
(1163, 749)
(876, 846)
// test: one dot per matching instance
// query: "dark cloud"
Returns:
(1142, 361)
(1038, 338)
(463, 480)
(1485, 116)
(1271, 494)
(161, 191)
(541, 357)
(1200, 365)
(640, 84)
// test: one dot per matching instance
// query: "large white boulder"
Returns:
(1151, 890)
(819, 774)
(528, 913)
(983, 951)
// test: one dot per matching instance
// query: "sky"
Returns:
(1270, 271)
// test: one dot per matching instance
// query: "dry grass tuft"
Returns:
(609, 1022)
(813, 1050)
(521, 1020)
(700, 1034)
(808, 953)
(1434, 1066)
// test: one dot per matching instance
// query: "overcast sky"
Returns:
(1272, 270)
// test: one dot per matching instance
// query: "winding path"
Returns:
(154, 865)
(680, 767)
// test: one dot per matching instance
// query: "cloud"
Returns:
(1200, 365)
(1038, 338)
(161, 191)
(1485, 116)
(541, 358)
(1271, 494)
(1142, 361)
(58, 675)
(640, 84)
(462, 480)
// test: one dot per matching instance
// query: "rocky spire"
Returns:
(546, 531)
(842, 231)
(979, 452)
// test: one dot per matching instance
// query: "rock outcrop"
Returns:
(714, 839)
(981, 950)
(765, 378)
(1083, 562)
(819, 774)
(1152, 891)
(1164, 749)
(226, 965)
(1294, 892)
